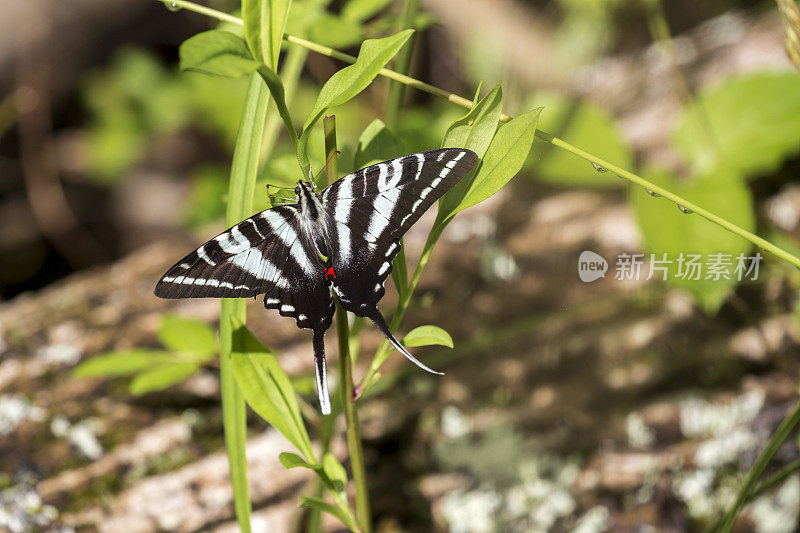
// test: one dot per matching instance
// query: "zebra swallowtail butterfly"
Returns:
(342, 239)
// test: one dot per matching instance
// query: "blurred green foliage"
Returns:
(754, 120)
(138, 101)
(585, 124)
(188, 343)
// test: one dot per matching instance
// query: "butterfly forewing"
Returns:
(371, 209)
(264, 254)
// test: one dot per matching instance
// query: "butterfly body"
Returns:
(342, 240)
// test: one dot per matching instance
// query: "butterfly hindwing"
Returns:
(370, 211)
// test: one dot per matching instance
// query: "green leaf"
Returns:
(668, 231)
(361, 10)
(334, 31)
(351, 80)
(321, 505)
(504, 158)
(119, 363)
(377, 143)
(267, 388)
(754, 119)
(292, 460)
(476, 129)
(219, 53)
(180, 334)
(335, 471)
(162, 376)
(264, 21)
(584, 124)
(427, 336)
(244, 169)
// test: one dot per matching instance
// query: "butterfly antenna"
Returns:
(321, 372)
(380, 323)
(330, 157)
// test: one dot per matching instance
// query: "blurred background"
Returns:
(623, 403)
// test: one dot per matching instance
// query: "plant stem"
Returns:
(244, 169)
(780, 435)
(203, 10)
(354, 444)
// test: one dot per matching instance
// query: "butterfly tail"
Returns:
(321, 372)
(380, 323)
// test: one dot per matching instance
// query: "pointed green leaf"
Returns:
(504, 158)
(292, 460)
(335, 471)
(162, 376)
(267, 388)
(426, 336)
(264, 22)
(181, 334)
(377, 143)
(476, 129)
(119, 363)
(321, 505)
(217, 52)
(351, 80)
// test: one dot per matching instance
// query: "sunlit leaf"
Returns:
(427, 336)
(476, 129)
(120, 363)
(503, 160)
(264, 22)
(580, 123)
(181, 334)
(321, 505)
(754, 120)
(377, 143)
(668, 231)
(162, 376)
(267, 388)
(351, 80)
(217, 52)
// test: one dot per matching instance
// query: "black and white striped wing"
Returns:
(264, 254)
(373, 208)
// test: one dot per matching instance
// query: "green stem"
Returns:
(353, 429)
(203, 10)
(244, 169)
(630, 176)
(780, 435)
(354, 444)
